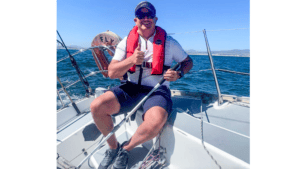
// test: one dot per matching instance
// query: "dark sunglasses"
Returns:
(143, 15)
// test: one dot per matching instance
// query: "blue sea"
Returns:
(195, 80)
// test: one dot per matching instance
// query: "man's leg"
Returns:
(102, 108)
(154, 120)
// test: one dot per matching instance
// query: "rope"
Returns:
(155, 158)
(152, 156)
(208, 31)
(201, 119)
(227, 29)
(222, 70)
(229, 71)
(83, 50)
(199, 70)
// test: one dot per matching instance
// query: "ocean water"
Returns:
(195, 80)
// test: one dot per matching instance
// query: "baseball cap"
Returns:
(147, 5)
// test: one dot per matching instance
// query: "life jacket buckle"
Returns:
(147, 64)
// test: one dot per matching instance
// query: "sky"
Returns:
(79, 21)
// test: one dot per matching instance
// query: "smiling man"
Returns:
(144, 56)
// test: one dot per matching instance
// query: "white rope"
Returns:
(209, 31)
(226, 29)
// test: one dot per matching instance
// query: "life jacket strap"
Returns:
(140, 75)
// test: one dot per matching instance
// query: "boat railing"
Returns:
(63, 88)
(221, 70)
(220, 98)
(231, 98)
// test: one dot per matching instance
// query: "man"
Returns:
(145, 56)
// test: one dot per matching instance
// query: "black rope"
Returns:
(82, 78)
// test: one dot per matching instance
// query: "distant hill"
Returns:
(234, 52)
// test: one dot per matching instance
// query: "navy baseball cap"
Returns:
(147, 5)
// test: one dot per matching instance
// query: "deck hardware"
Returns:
(84, 152)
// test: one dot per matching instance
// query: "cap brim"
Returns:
(149, 11)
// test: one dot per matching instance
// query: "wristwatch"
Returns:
(180, 73)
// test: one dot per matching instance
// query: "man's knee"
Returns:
(157, 116)
(105, 104)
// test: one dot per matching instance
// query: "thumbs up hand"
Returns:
(138, 55)
(138, 48)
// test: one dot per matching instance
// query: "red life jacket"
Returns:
(158, 49)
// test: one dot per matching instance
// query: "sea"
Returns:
(198, 79)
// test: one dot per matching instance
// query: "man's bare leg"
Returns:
(102, 108)
(154, 120)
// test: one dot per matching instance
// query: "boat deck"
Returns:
(225, 132)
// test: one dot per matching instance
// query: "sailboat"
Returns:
(204, 130)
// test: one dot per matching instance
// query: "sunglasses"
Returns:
(143, 15)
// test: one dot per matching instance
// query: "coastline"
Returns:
(189, 53)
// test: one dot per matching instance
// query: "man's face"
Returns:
(145, 20)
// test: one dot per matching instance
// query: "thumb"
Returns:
(138, 47)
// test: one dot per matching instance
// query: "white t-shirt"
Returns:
(173, 52)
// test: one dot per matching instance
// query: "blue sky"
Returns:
(79, 21)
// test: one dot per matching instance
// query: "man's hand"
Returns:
(171, 75)
(185, 66)
(138, 56)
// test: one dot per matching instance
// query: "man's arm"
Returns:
(185, 66)
(117, 69)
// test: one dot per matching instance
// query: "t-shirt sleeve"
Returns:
(120, 52)
(177, 51)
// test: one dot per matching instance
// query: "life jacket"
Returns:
(158, 49)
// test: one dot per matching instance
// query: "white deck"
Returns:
(226, 136)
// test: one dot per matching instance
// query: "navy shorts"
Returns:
(130, 94)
